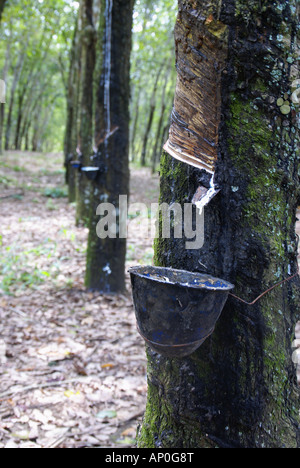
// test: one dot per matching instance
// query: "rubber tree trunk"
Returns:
(105, 269)
(239, 388)
(71, 131)
(86, 135)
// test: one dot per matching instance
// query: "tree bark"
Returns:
(86, 136)
(71, 132)
(105, 270)
(238, 390)
(17, 144)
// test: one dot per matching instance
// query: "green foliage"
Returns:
(153, 51)
(7, 181)
(35, 39)
(19, 270)
(56, 192)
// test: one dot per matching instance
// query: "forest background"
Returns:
(36, 43)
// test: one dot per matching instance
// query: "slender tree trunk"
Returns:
(17, 74)
(26, 135)
(28, 109)
(86, 135)
(26, 121)
(105, 269)
(70, 109)
(239, 388)
(36, 127)
(19, 120)
(150, 119)
(2, 105)
(29, 95)
(26, 86)
(71, 132)
(159, 130)
(135, 113)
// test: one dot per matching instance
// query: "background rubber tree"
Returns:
(105, 269)
(72, 111)
(239, 388)
(86, 134)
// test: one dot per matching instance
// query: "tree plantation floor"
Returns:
(72, 365)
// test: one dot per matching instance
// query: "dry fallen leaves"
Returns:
(67, 356)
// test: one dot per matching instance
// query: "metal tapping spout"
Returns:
(203, 196)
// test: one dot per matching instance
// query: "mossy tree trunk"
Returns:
(105, 269)
(239, 388)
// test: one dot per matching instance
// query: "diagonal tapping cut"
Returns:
(196, 116)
